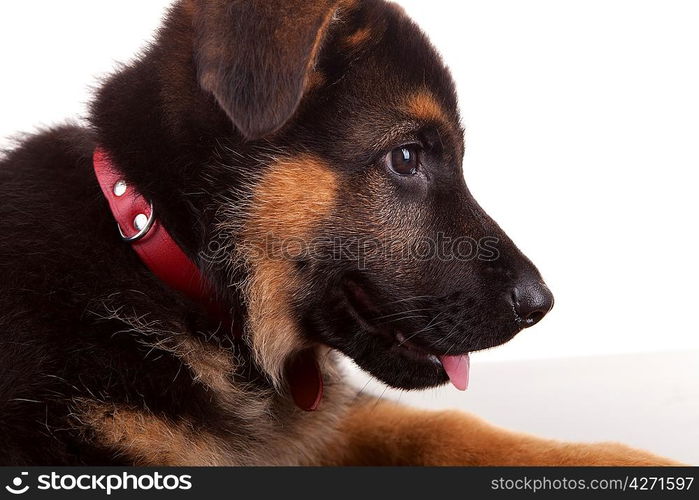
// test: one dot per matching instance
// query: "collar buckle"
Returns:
(142, 223)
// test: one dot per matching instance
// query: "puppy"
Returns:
(252, 196)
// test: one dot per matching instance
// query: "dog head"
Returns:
(348, 222)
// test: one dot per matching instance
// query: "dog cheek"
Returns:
(388, 227)
(294, 197)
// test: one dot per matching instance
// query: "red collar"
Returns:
(138, 225)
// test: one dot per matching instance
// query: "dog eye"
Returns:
(405, 159)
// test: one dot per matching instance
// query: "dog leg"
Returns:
(384, 433)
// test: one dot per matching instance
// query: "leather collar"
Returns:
(139, 226)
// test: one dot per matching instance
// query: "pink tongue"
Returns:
(457, 368)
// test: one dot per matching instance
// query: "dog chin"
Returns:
(403, 370)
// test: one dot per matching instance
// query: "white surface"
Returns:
(582, 141)
(650, 401)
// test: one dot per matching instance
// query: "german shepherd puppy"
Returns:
(253, 128)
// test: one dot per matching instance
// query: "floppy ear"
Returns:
(255, 56)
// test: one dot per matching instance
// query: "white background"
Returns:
(582, 123)
(582, 126)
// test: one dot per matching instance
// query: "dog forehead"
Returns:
(379, 57)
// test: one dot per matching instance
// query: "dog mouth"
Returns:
(456, 367)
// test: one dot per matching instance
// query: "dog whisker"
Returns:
(398, 320)
(386, 316)
(408, 299)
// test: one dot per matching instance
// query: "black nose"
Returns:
(532, 300)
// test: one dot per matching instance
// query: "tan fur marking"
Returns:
(384, 433)
(209, 365)
(315, 79)
(359, 37)
(424, 106)
(150, 440)
(294, 197)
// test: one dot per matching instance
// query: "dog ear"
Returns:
(255, 56)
